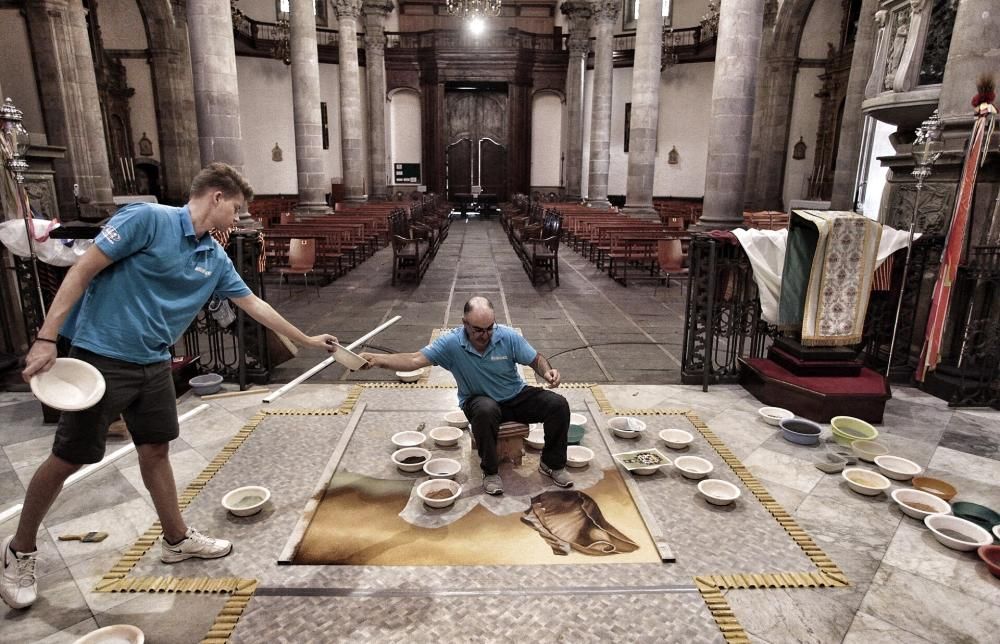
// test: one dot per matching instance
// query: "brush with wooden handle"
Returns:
(87, 537)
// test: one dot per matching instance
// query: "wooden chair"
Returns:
(301, 260)
(510, 442)
(670, 256)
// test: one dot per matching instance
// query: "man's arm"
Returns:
(396, 361)
(264, 313)
(545, 370)
(42, 355)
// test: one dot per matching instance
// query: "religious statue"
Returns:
(896, 51)
(276, 153)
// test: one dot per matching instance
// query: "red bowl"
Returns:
(991, 556)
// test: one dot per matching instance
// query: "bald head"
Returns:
(478, 304)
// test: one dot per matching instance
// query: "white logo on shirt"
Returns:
(496, 358)
(204, 271)
(111, 234)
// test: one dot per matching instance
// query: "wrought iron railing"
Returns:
(462, 39)
(260, 34)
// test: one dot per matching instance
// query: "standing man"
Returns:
(149, 272)
(483, 356)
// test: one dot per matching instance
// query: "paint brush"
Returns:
(87, 537)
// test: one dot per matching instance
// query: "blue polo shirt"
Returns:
(161, 276)
(493, 373)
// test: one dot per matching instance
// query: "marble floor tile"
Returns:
(59, 605)
(29, 453)
(792, 615)
(789, 471)
(88, 572)
(186, 464)
(23, 421)
(106, 488)
(208, 427)
(71, 634)
(937, 612)
(124, 523)
(167, 617)
(970, 466)
(867, 629)
(973, 435)
(914, 395)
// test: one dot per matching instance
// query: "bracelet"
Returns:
(46, 340)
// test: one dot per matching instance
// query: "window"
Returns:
(319, 8)
(630, 14)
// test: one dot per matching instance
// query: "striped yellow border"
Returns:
(722, 613)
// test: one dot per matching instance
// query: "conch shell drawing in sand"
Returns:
(571, 520)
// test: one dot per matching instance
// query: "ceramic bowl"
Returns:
(917, 504)
(348, 358)
(627, 427)
(865, 481)
(409, 376)
(575, 434)
(114, 634)
(693, 467)
(676, 438)
(991, 557)
(981, 515)
(247, 500)
(445, 436)
(868, 450)
(718, 492)
(800, 430)
(442, 468)
(847, 429)
(535, 438)
(642, 461)
(996, 532)
(70, 385)
(434, 485)
(970, 536)
(577, 420)
(206, 384)
(897, 468)
(456, 419)
(408, 439)
(578, 455)
(937, 487)
(774, 415)
(401, 455)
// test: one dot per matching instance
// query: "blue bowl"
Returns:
(800, 430)
(575, 435)
(206, 384)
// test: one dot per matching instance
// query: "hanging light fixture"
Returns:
(710, 21)
(282, 48)
(473, 8)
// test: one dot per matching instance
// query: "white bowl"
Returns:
(535, 438)
(438, 484)
(718, 492)
(693, 467)
(897, 468)
(114, 634)
(70, 385)
(456, 419)
(676, 438)
(348, 358)
(905, 497)
(578, 455)
(774, 415)
(408, 439)
(996, 531)
(622, 428)
(409, 376)
(442, 468)
(446, 436)
(408, 452)
(577, 419)
(973, 535)
(865, 481)
(244, 501)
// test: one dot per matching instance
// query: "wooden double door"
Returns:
(476, 152)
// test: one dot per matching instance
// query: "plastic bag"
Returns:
(55, 252)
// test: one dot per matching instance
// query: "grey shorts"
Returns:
(142, 394)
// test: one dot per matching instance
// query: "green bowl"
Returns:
(847, 429)
(575, 434)
(979, 514)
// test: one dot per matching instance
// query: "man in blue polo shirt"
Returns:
(483, 356)
(124, 303)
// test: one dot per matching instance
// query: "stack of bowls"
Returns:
(847, 429)
(626, 427)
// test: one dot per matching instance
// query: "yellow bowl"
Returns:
(847, 429)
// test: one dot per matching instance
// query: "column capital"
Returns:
(605, 11)
(579, 13)
(377, 8)
(374, 42)
(347, 9)
(578, 46)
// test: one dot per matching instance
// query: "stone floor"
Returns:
(904, 586)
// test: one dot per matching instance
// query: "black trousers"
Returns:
(531, 405)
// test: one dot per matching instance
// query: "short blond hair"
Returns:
(224, 177)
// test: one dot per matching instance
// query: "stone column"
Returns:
(849, 148)
(216, 94)
(645, 111)
(578, 12)
(68, 90)
(605, 15)
(375, 13)
(351, 135)
(305, 109)
(173, 86)
(974, 51)
(737, 50)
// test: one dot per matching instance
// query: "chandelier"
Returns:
(710, 21)
(473, 8)
(282, 48)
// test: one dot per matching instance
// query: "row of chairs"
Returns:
(534, 233)
(416, 237)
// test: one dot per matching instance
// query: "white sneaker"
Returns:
(19, 587)
(195, 544)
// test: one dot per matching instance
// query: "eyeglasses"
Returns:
(479, 329)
